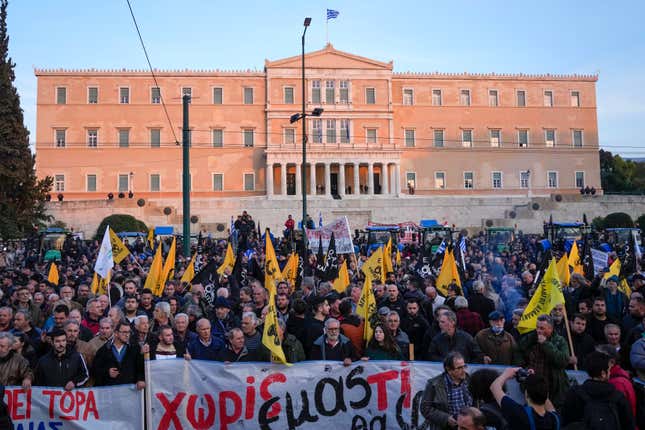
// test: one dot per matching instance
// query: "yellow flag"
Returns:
(99, 285)
(53, 274)
(154, 274)
(169, 265)
(272, 271)
(229, 260)
(343, 278)
(614, 269)
(270, 335)
(448, 273)
(189, 273)
(290, 271)
(398, 257)
(119, 250)
(373, 267)
(547, 295)
(387, 257)
(574, 259)
(563, 270)
(366, 308)
(151, 237)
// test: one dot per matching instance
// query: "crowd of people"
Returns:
(65, 335)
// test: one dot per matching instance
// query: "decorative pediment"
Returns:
(329, 58)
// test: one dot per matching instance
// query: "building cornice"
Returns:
(146, 73)
(495, 76)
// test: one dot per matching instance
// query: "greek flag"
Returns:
(332, 14)
(462, 245)
(442, 247)
(320, 223)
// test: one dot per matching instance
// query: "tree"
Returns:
(22, 194)
(618, 220)
(618, 175)
(640, 223)
(119, 223)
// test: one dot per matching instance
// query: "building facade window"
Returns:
(90, 183)
(548, 98)
(343, 92)
(580, 179)
(440, 180)
(493, 98)
(370, 96)
(124, 137)
(436, 98)
(288, 96)
(218, 182)
(155, 182)
(411, 180)
(345, 130)
(523, 138)
(577, 139)
(123, 183)
(330, 96)
(155, 95)
(315, 91)
(187, 91)
(438, 138)
(408, 96)
(410, 137)
(524, 179)
(549, 137)
(218, 138)
(289, 136)
(552, 179)
(496, 180)
(370, 135)
(61, 95)
(316, 126)
(92, 95)
(60, 137)
(248, 96)
(155, 137)
(331, 131)
(464, 97)
(248, 137)
(575, 98)
(124, 95)
(249, 182)
(92, 137)
(218, 95)
(495, 138)
(469, 180)
(521, 98)
(59, 183)
(467, 138)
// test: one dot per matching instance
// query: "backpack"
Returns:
(600, 414)
(488, 409)
(529, 413)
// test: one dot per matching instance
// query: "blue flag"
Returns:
(332, 14)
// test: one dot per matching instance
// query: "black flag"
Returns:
(320, 260)
(629, 264)
(330, 266)
(209, 278)
(424, 263)
(587, 259)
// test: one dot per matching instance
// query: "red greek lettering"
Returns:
(249, 405)
(265, 395)
(52, 398)
(170, 411)
(406, 387)
(381, 392)
(201, 423)
(225, 417)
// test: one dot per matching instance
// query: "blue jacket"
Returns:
(637, 357)
(199, 351)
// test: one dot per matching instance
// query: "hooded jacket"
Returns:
(572, 410)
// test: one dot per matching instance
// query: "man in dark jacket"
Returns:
(597, 392)
(224, 319)
(235, 350)
(415, 325)
(332, 345)
(583, 343)
(479, 303)
(61, 367)
(452, 339)
(118, 362)
(167, 347)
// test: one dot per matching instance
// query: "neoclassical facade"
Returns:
(381, 134)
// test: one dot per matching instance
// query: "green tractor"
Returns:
(500, 239)
(432, 234)
(51, 243)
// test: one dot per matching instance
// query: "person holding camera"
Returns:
(538, 413)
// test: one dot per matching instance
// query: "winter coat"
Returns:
(442, 344)
(597, 390)
(54, 371)
(500, 348)
(621, 381)
(130, 369)
(293, 350)
(637, 357)
(14, 368)
(434, 403)
(344, 349)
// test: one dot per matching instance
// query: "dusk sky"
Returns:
(558, 37)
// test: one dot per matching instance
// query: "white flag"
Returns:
(104, 261)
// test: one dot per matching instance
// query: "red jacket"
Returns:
(620, 379)
(469, 321)
(290, 224)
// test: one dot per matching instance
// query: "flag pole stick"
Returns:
(327, 30)
(566, 324)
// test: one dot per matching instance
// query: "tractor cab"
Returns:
(500, 239)
(379, 235)
(562, 234)
(432, 234)
(615, 239)
(52, 243)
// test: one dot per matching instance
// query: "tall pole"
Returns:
(304, 146)
(185, 137)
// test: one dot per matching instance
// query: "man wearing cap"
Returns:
(497, 345)
(615, 300)
(224, 319)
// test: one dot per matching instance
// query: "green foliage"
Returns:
(621, 176)
(58, 223)
(617, 220)
(22, 194)
(598, 223)
(119, 223)
(640, 222)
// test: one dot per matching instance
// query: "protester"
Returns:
(61, 367)
(119, 361)
(332, 345)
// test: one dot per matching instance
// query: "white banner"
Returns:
(600, 259)
(311, 395)
(342, 236)
(46, 408)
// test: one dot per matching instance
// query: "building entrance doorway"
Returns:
(334, 183)
(291, 184)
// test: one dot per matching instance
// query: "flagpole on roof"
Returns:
(327, 29)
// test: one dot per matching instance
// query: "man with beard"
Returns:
(415, 325)
(282, 307)
(72, 331)
(583, 343)
(559, 322)
(131, 308)
(315, 324)
(167, 347)
(61, 367)
(599, 319)
(332, 345)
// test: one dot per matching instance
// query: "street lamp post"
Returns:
(304, 137)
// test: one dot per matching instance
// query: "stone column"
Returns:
(298, 180)
(397, 179)
(341, 179)
(385, 175)
(370, 178)
(269, 179)
(283, 178)
(312, 179)
(357, 180)
(327, 179)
